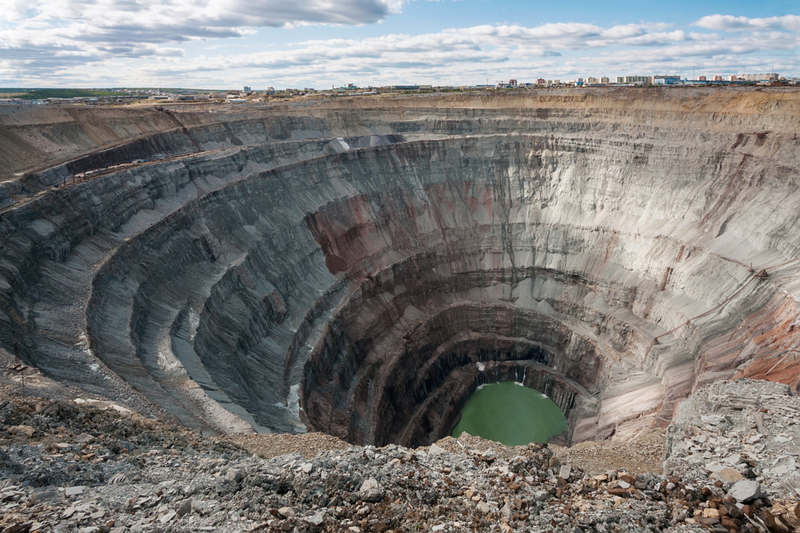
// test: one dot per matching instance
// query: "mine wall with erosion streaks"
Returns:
(360, 266)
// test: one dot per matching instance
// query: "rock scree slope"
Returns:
(359, 266)
(95, 467)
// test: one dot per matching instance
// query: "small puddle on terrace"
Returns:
(510, 413)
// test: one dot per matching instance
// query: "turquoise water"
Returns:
(512, 414)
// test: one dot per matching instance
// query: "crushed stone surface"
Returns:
(641, 455)
(92, 467)
(268, 446)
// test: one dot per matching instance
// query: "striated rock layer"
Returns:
(359, 266)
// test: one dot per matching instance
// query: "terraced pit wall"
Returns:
(358, 266)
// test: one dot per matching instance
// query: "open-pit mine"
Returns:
(359, 266)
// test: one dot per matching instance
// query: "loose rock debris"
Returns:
(70, 467)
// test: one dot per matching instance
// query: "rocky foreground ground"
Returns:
(731, 465)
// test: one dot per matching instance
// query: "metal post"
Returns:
(18, 363)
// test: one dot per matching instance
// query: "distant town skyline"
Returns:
(325, 43)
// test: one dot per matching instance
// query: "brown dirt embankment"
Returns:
(37, 137)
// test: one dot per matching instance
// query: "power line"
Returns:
(761, 274)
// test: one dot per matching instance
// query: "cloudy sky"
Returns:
(320, 43)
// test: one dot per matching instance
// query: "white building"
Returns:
(666, 80)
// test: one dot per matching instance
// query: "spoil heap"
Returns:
(67, 466)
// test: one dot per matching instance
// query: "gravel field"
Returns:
(93, 467)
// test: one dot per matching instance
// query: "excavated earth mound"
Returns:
(358, 266)
(96, 467)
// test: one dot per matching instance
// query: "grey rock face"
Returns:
(748, 468)
(745, 490)
(371, 491)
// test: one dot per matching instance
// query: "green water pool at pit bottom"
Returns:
(511, 414)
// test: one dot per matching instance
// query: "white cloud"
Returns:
(36, 31)
(731, 23)
(55, 35)
(14, 10)
(469, 54)
(139, 42)
(204, 14)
